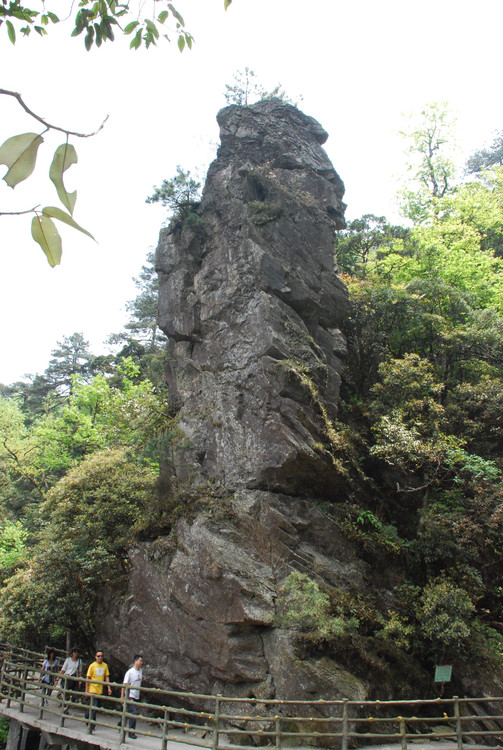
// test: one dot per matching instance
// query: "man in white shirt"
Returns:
(133, 677)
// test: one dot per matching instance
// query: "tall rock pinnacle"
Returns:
(251, 303)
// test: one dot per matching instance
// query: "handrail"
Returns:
(213, 721)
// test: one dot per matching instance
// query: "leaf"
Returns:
(64, 156)
(44, 232)
(227, 3)
(181, 43)
(131, 27)
(11, 32)
(58, 213)
(162, 16)
(97, 29)
(176, 14)
(136, 41)
(107, 30)
(152, 28)
(88, 41)
(19, 154)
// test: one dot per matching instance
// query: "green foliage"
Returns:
(180, 195)
(432, 167)
(99, 21)
(302, 606)
(97, 415)
(262, 212)
(397, 630)
(143, 340)
(4, 729)
(361, 241)
(487, 157)
(90, 517)
(445, 613)
(12, 545)
(422, 395)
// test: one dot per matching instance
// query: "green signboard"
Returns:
(443, 674)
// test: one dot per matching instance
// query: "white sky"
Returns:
(359, 66)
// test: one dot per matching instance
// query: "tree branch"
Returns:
(48, 125)
(18, 213)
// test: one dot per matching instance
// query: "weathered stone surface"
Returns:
(201, 612)
(250, 299)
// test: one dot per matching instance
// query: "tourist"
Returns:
(49, 666)
(98, 673)
(133, 677)
(72, 668)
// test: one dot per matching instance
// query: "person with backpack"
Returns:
(49, 666)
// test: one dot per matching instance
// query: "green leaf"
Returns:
(227, 3)
(136, 41)
(60, 215)
(176, 14)
(162, 16)
(152, 28)
(181, 43)
(88, 41)
(131, 27)
(189, 40)
(64, 156)
(19, 154)
(107, 30)
(44, 232)
(54, 18)
(11, 32)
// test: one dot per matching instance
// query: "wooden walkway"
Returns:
(171, 720)
(106, 735)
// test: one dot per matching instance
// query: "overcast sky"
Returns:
(358, 65)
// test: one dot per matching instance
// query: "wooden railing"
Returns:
(220, 722)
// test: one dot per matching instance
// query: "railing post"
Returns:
(345, 735)
(457, 715)
(2, 676)
(123, 714)
(165, 729)
(9, 691)
(216, 721)
(23, 690)
(277, 728)
(91, 723)
(403, 733)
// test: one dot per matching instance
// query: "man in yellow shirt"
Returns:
(98, 672)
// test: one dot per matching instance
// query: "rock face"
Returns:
(251, 303)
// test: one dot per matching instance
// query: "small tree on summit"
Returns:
(247, 89)
(179, 194)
